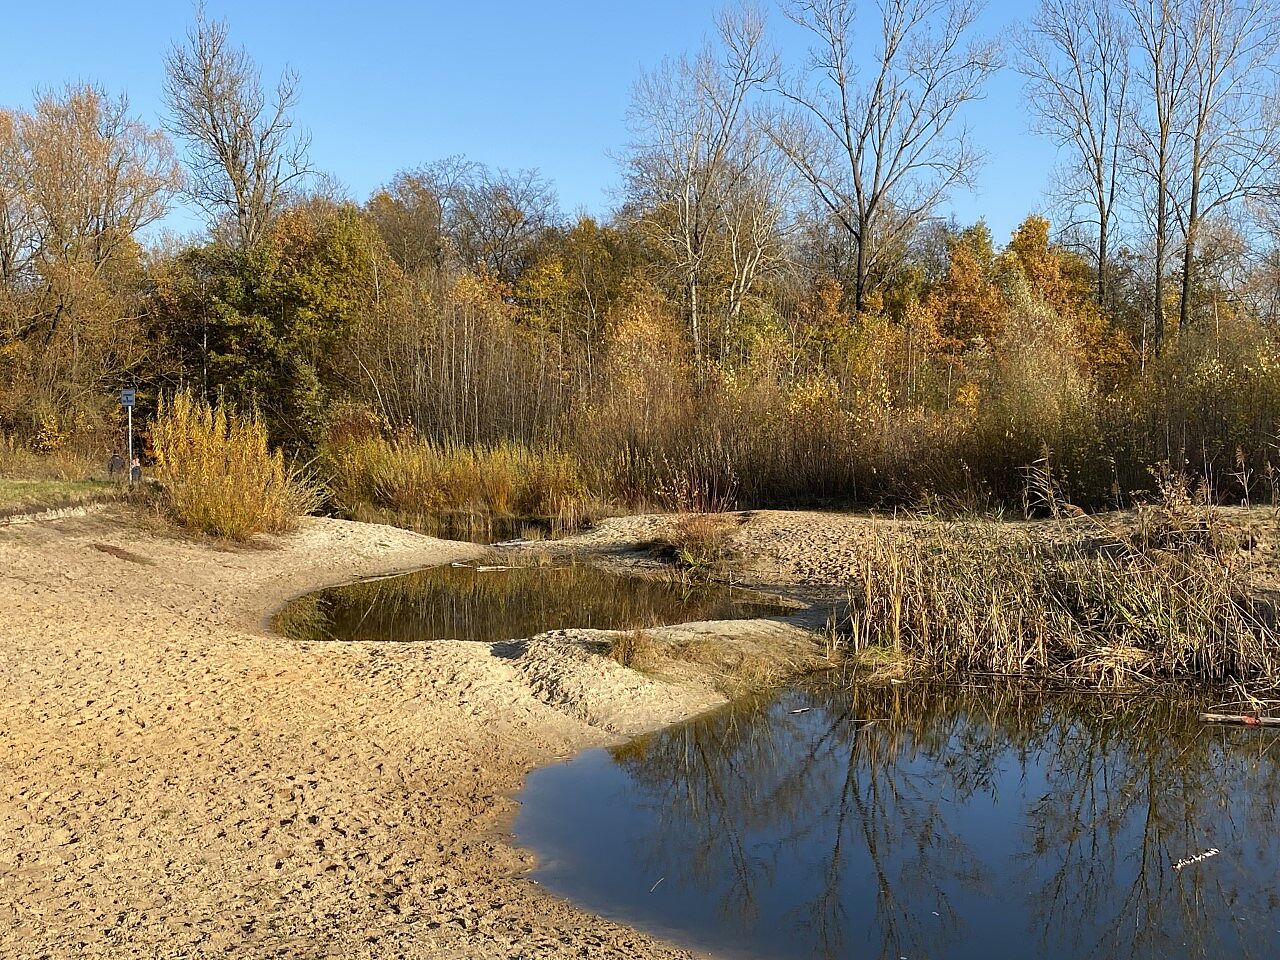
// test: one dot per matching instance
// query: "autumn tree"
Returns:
(967, 303)
(244, 154)
(271, 326)
(79, 178)
(1060, 279)
(579, 276)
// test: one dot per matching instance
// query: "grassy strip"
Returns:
(22, 495)
(1089, 604)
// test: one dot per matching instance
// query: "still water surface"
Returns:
(467, 603)
(965, 824)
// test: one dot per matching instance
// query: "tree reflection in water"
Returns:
(961, 822)
(465, 603)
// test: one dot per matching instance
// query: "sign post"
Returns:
(127, 396)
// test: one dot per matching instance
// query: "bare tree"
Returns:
(1233, 144)
(756, 222)
(495, 218)
(1158, 109)
(693, 169)
(416, 215)
(243, 152)
(17, 230)
(1075, 57)
(880, 155)
(459, 214)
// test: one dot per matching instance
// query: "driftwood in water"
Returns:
(1246, 719)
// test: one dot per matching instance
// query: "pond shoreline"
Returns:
(671, 829)
(196, 784)
(170, 765)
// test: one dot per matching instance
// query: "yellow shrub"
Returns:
(220, 476)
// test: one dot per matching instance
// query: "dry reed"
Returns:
(409, 478)
(219, 475)
(977, 597)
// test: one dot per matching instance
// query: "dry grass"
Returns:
(219, 475)
(415, 478)
(1183, 518)
(700, 543)
(1086, 604)
(33, 480)
(26, 496)
(19, 462)
(635, 650)
(734, 666)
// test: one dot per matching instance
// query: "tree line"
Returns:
(775, 310)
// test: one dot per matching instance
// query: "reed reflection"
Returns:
(491, 605)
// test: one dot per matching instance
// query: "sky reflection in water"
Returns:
(963, 824)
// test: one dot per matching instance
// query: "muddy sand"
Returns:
(178, 781)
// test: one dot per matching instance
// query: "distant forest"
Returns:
(774, 313)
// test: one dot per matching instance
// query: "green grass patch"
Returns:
(29, 496)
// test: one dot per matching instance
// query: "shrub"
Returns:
(219, 475)
(20, 461)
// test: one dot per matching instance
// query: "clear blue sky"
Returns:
(388, 85)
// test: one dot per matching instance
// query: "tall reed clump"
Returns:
(219, 475)
(410, 478)
(976, 598)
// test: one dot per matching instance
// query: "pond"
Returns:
(495, 603)
(925, 822)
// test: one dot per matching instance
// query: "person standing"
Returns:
(115, 465)
(135, 471)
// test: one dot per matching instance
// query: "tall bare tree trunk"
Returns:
(879, 154)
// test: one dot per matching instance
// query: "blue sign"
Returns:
(126, 396)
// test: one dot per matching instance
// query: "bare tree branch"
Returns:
(880, 155)
(243, 153)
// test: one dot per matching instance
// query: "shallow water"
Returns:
(961, 824)
(466, 603)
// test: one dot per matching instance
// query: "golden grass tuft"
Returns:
(220, 476)
(634, 649)
(417, 478)
(700, 542)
